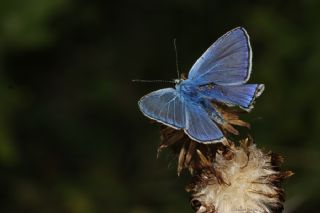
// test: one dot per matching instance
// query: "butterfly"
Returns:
(219, 75)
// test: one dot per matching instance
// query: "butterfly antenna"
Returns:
(176, 52)
(164, 81)
(152, 81)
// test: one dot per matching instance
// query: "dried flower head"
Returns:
(241, 179)
(228, 177)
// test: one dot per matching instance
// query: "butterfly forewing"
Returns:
(165, 106)
(226, 62)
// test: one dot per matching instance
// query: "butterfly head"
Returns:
(177, 81)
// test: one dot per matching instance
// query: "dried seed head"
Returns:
(228, 178)
(245, 182)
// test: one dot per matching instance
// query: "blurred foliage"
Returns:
(71, 136)
(25, 23)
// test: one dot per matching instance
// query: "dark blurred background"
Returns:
(71, 136)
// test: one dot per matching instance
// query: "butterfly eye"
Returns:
(177, 81)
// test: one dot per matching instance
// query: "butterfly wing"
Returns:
(239, 95)
(226, 62)
(165, 106)
(200, 127)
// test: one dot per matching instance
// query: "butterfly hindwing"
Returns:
(200, 127)
(239, 95)
(226, 62)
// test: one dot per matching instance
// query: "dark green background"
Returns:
(71, 136)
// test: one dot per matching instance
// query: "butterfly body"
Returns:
(188, 91)
(219, 75)
(202, 96)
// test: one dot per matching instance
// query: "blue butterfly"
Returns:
(219, 75)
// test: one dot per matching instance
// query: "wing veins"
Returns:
(166, 105)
